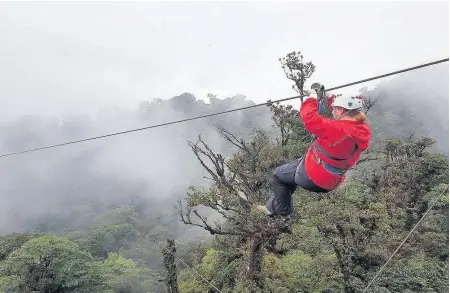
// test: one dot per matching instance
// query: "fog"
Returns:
(157, 165)
(70, 71)
(416, 101)
(77, 57)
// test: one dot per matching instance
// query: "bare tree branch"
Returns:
(196, 151)
(240, 143)
(369, 103)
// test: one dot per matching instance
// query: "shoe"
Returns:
(242, 195)
(264, 210)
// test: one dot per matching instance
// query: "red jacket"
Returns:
(338, 138)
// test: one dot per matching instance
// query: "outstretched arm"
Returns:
(313, 121)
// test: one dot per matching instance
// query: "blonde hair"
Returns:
(357, 115)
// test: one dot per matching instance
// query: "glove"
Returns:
(312, 95)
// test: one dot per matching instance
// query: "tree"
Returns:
(238, 184)
(349, 219)
(338, 241)
(171, 269)
(208, 268)
(243, 180)
(291, 128)
(54, 264)
(285, 117)
(14, 241)
(124, 275)
(107, 238)
(364, 221)
(297, 71)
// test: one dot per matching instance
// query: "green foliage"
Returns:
(415, 274)
(338, 240)
(297, 70)
(208, 268)
(106, 239)
(210, 264)
(309, 274)
(11, 242)
(53, 264)
(124, 275)
(9, 283)
(275, 274)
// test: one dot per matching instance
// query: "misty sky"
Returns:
(65, 57)
(80, 57)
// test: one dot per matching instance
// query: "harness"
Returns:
(317, 148)
(334, 170)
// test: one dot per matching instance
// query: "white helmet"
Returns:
(348, 102)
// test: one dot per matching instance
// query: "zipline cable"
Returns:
(404, 240)
(223, 112)
(229, 111)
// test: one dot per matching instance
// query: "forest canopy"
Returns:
(197, 200)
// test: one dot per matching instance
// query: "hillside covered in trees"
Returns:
(71, 216)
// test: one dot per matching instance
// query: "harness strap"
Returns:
(328, 167)
(323, 152)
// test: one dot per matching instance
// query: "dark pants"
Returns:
(286, 179)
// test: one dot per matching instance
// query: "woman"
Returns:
(338, 147)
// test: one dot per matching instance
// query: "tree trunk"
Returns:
(171, 268)
(254, 272)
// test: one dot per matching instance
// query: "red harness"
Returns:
(332, 169)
